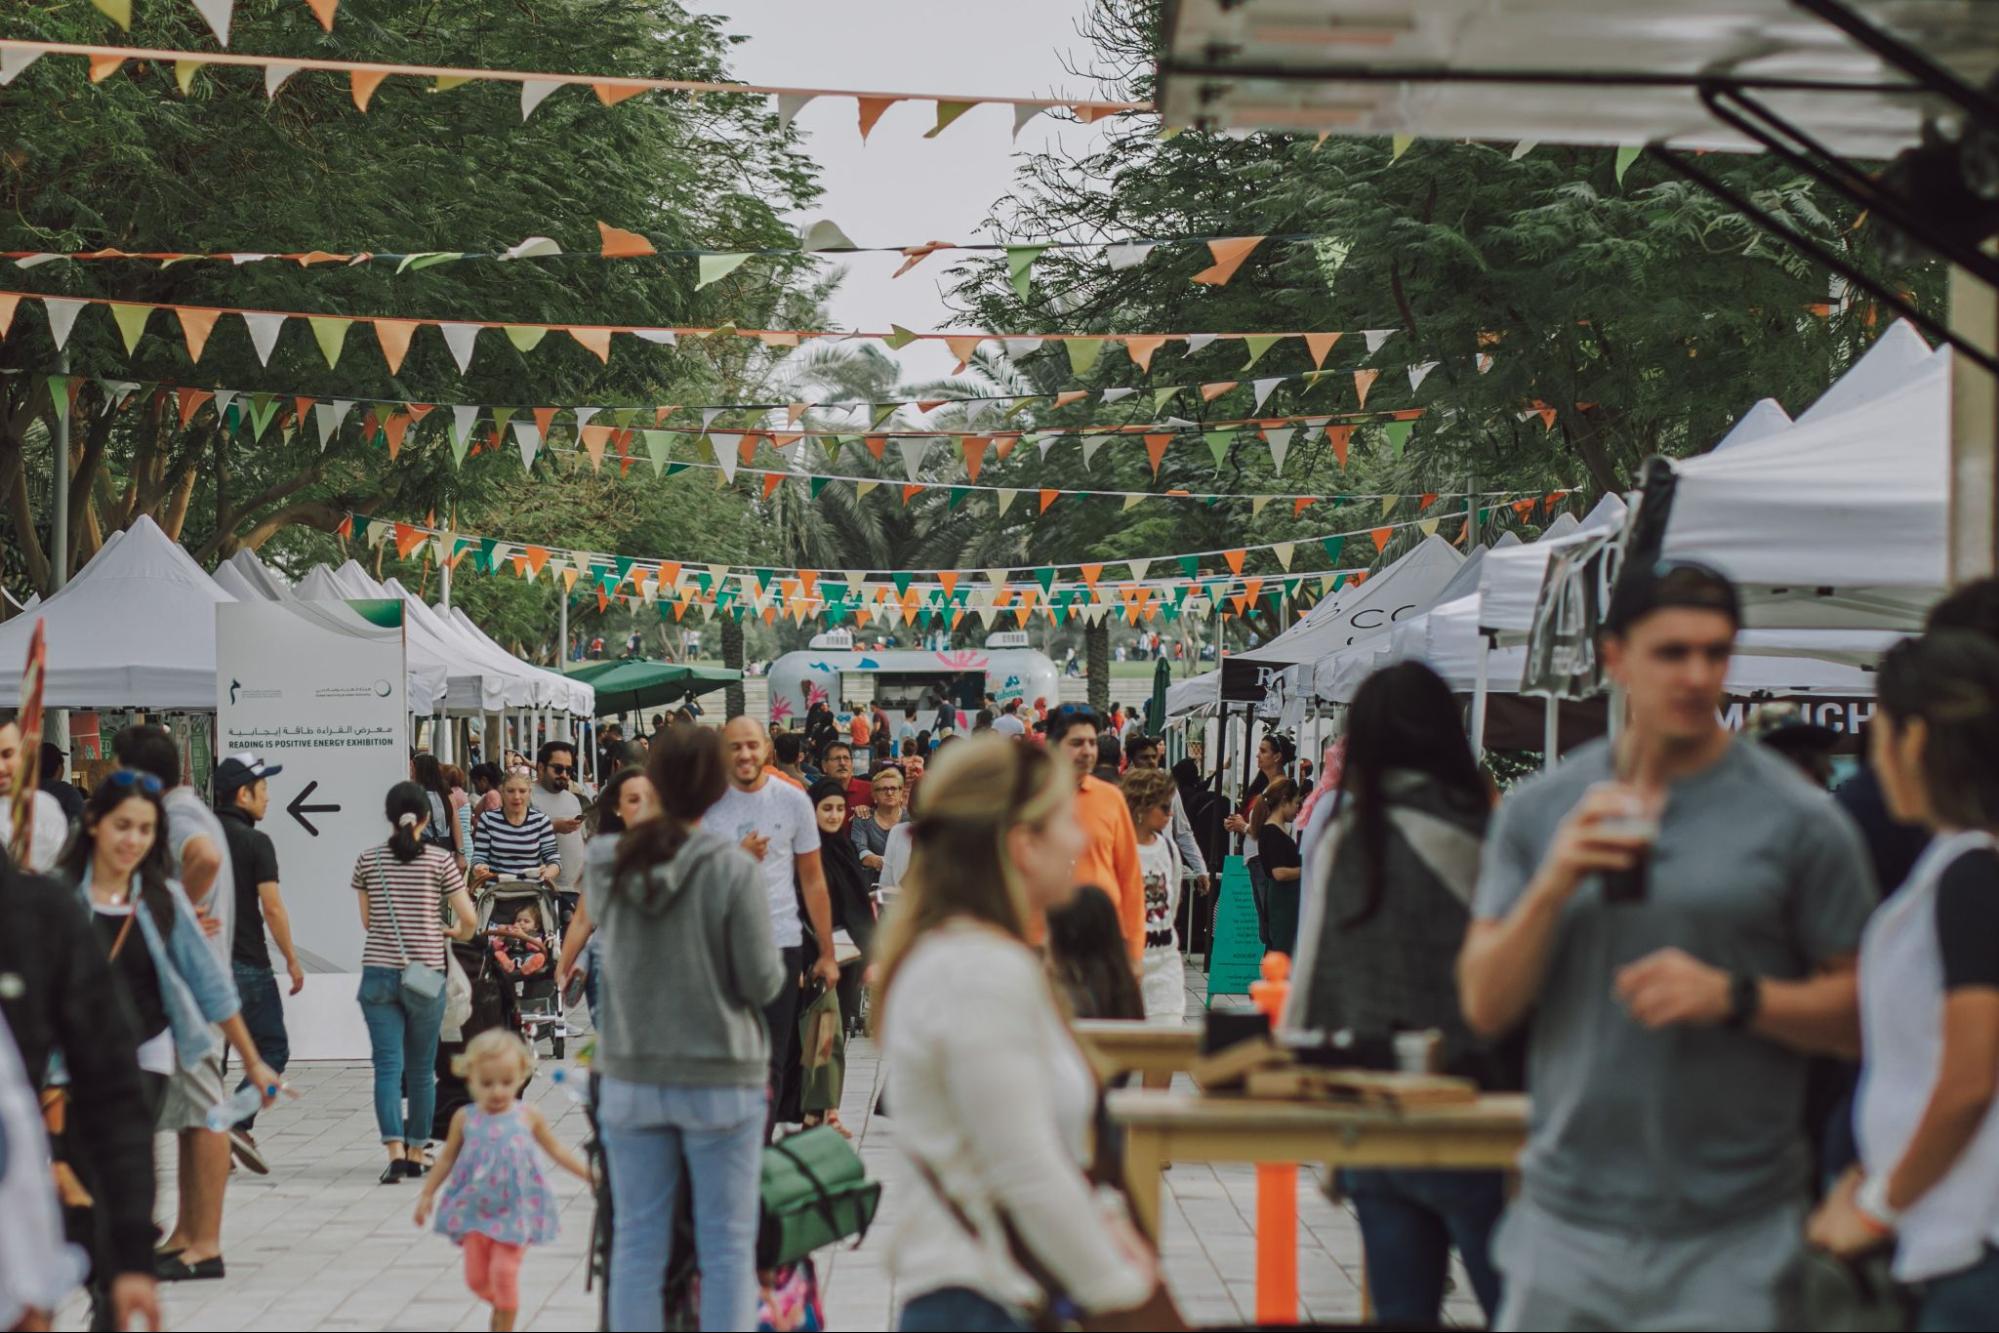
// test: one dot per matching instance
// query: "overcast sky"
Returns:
(900, 188)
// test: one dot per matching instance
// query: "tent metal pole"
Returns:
(1478, 696)
(1551, 731)
(444, 586)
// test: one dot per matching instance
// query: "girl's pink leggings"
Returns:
(493, 1270)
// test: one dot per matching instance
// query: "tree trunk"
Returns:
(1097, 669)
(732, 658)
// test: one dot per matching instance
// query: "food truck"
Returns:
(1005, 668)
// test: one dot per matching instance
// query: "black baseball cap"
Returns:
(240, 770)
(1667, 585)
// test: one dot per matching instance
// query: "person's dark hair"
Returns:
(488, 773)
(689, 769)
(1950, 679)
(1110, 750)
(549, 748)
(1403, 716)
(1277, 793)
(429, 774)
(51, 764)
(1066, 718)
(150, 749)
(1012, 706)
(1669, 585)
(1283, 746)
(824, 788)
(922, 742)
(1143, 744)
(155, 868)
(982, 720)
(604, 814)
(454, 777)
(407, 807)
(1088, 958)
(788, 747)
(826, 750)
(1973, 607)
(909, 710)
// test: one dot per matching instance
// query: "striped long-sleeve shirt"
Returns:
(515, 851)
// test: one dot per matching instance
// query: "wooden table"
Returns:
(1153, 1051)
(1162, 1127)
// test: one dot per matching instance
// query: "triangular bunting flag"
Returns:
(1019, 258)
(1155, 449)
(1048, 497)
(1279, 439)
(1363, 380)
(1228, 255)
(62, 317)
(1083, 353)
(131, 321)
(395, 335)
(871, 109)
(1258, 344)
(596, 340)
(1318, 344)
(1340, 437)
(1381, 536)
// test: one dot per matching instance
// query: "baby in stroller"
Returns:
(519, 950)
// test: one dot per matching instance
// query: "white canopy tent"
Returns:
(1193, 695)
(135, 628)
(470, 689)
(573, 696)
(247, 578)
(1338, 676)
(1509, 581)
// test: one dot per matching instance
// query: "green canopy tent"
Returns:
(631, 685)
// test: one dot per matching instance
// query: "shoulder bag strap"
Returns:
(389, 901)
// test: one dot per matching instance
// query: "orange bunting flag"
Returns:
(1210, 392)
(1318, 344)
(1552, 499)
(871, 111)
(1140, 349)
(610, 94)
(1340, 437)
(963, 348)
(974, 447)
(323, 11)
(1234, 560)
(1523, 507)
(1299, 505)
(1229, 256)
(395, 427)
(195, 326)
(1068, 396)
(7, 306)
(103, 67)
(908, 491)
(747, 448)
(622, 244)
(407, 540)
(1091, 573)
(876, 444)
(598, 341)
(1381, 536)
(594, 439)
(1251, 589)
(1047, 498)
(1363, 380)
(1429, 498)
(395, 335)
(364, 82)
(190, 403)
(1155, 449)
(669, 574)
(544, 417)
(1003, 445)
(948, 580)
(912, 255)
(772, 480)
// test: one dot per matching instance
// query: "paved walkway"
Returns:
(318, 1244)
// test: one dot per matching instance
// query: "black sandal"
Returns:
(177, 1269)
(392, 1173)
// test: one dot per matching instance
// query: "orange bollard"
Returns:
(1276, 1184)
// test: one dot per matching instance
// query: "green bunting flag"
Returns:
(1218, 444)
(1161, 397)
(659, 444)
(1625, 157)
(816, 484)
(1019, 258)
(1083, 354)
(1398, 436)
(1190, 565)
(902, 581)
(714, 268)
(958, 494)
(483, 560)
(1258, 344)
(1334, 545)
(1045, 576)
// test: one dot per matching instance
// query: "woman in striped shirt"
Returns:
(401, 883)
(520, 843)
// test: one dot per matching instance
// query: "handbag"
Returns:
(420, 980)
(823, 1053)
(457, 998)
(1851, 1295)
(815, 1192)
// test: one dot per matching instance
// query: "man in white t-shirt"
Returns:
(51, 827)
(1008, 723)
(773, 822)
(554, 795)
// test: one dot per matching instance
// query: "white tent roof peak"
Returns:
(1760, 422)
(1896, 357)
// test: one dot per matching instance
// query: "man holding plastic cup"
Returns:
(1674, 918)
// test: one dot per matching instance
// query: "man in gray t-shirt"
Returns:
(1668, 1013)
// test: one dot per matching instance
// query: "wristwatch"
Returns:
(1745, 997)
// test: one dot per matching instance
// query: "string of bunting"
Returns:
(772, 590)
(395, 333)
(217, 14)
(364, 77)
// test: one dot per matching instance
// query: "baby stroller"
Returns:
(524, 953)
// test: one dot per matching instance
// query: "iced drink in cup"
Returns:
(1638, 822)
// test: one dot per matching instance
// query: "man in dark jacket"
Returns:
(58, 993)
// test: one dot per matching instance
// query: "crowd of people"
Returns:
(1758, 1021)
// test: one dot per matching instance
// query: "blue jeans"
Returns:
(649, 1130)
(402, 1037)
(1967, 1299)
(957, 1308)
(264, 1015)
(1409, 1220)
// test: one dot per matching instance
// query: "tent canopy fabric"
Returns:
(632, 684)
(1193, 695)
(572, 696)
(134, 628)
(470, 688)
(1509, 582)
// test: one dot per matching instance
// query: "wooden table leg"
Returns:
(1156, 1079)
(1144, 1162)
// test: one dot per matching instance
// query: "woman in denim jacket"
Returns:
(182, 993)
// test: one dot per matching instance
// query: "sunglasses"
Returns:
(562, 768)
(521, 770)
(123, 778)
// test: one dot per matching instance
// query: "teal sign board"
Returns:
(1236, 957)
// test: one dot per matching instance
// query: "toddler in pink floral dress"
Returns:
(494, 1201)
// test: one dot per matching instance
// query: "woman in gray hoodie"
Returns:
(689, 965)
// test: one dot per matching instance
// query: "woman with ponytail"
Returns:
(402, 883)
(994, 1102)
(689, 964)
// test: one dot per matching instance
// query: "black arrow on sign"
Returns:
(298, 809)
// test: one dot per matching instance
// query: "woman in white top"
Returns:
(1927, 1112)
(994, 1102)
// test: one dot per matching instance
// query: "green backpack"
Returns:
(815, 1193)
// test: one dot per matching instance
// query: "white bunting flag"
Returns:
(460, 338)
(527, 435)
(217, 14)
(1198, 341)
(1127, 256)
(62, 317)
(328, 416)
(1375, 338)
(533, 91)
(275, 76)
(264, 330)
(1418, 373)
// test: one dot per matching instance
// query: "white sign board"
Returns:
(319, 688)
